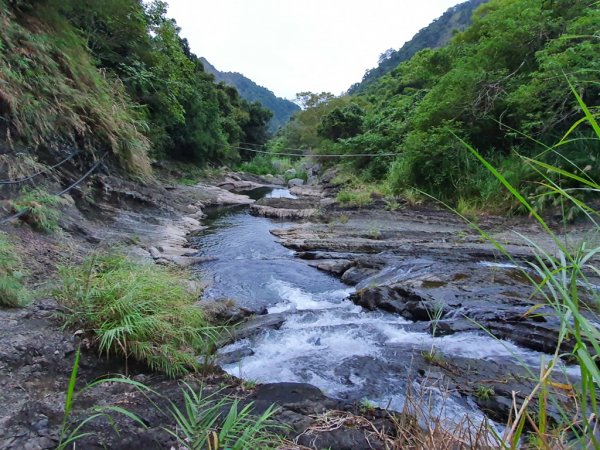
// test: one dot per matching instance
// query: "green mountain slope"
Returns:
(281, 108)
(436, 34)
(505, 85)
(114, 76)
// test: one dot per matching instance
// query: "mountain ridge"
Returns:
(435, 35)
(249, 90)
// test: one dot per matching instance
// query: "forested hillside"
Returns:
(503, 85)
(281, 108)
(114, 75)
(434, 35)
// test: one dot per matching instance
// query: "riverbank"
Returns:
(149, 223)
(410, 263)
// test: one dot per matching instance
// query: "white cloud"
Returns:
(309, 45)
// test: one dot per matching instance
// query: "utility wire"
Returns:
(318, 155)
(61, 193)
(47, 169)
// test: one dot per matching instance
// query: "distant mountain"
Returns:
(436, 34)
(282, 109)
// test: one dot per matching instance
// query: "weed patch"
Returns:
(40, 209)
(351, 197)
(12, 291)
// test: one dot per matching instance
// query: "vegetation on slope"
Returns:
(281, 108)
(12, 291)
(114, 75)
(508, 71)
(436, 34)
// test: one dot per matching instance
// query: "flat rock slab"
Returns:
(282, 213)
(216, 196)
(335, 266)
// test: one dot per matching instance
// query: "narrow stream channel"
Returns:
(326, 340)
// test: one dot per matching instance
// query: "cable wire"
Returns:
(318, 155)
(47, 169)
(61, 193)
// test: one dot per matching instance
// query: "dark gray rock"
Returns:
(257, 324)
(295, 182)
(335, 266)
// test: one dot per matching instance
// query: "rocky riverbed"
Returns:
(475, 327)
(401, 266)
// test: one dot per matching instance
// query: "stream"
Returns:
(326, 340)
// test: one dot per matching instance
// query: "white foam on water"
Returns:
(354, 315)
(500, 265)
(297, 299)
(304, 355)
(476, 346)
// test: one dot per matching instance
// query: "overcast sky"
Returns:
(291, 46)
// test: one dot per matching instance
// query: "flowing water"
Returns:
(326, 340)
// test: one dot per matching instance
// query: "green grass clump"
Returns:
(12, 291)
(136, 310)
(40, 209)
(352, 197)
(215, 422)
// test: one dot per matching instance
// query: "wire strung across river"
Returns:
(47, 169)
(318, 155)
(59, 194)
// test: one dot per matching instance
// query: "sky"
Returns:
(291, 46)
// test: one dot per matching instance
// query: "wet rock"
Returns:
(257, 324)
(233, 356)
(284, 208)
(301, 398)
(399, 300)
(282, 213)
(355, 275)
(295, 182)
(451, 326)
(225, 311)
(308, 191)
(335, 266)
(341, 439)
(231, 184)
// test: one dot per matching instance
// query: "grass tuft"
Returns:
(39, 205)
(12, 292)
(214, 422)
(136, 310)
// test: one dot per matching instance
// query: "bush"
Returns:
(12, 291)
(136, 310)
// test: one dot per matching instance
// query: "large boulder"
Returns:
(295, 182)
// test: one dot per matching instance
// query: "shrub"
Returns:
(38, 205)
(136, 310)
(12, 291)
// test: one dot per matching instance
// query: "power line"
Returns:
(61, 193)
(47, 169)
(317, 155)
